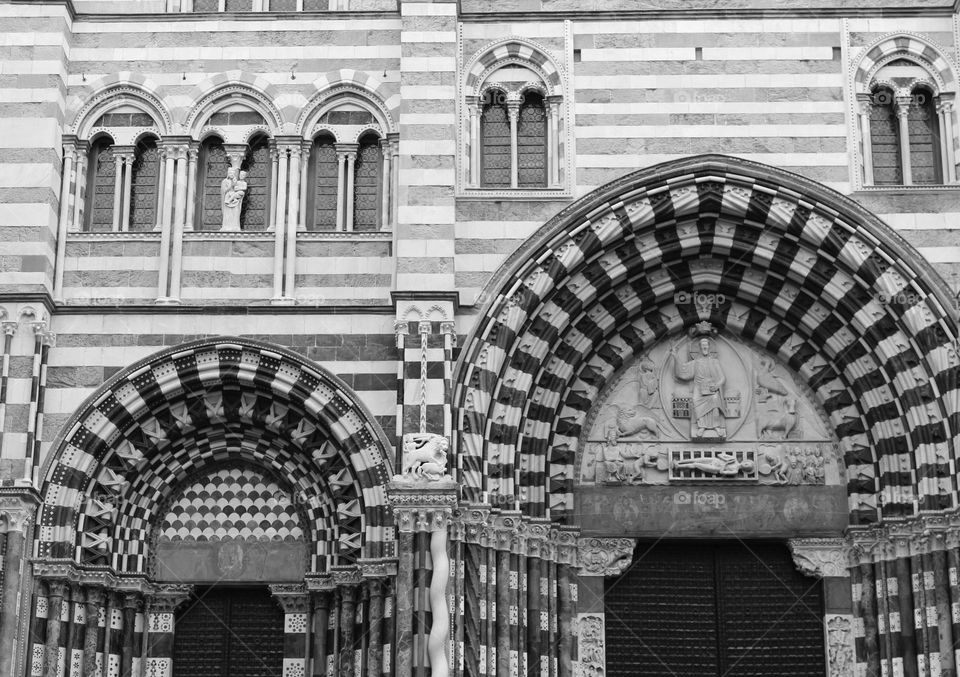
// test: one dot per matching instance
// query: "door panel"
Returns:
(229, 632)
(731, 610)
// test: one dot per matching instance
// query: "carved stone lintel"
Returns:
(604, 556)
(821, 557)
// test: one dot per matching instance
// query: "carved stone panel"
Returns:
(707, 407)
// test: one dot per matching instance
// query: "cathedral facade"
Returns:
(533, 337)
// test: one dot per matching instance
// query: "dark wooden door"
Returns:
(229, 632)
(730, 610)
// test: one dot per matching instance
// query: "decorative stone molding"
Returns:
(821, 557)
(166, 598)
(424, 457)
(839, 631)
(292, 597)
(591, 644)
(18, 506)
(604, 556)
(376, 569)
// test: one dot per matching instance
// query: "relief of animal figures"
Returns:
(777, 422)
(425, 456)
(627, 422)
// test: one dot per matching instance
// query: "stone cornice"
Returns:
(511, 531)
(68, 571)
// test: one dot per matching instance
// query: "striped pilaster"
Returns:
(9, 328)
(295, 602)
(426, 209)
(424, 378)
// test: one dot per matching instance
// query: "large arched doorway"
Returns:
(819, 304)
(221, 507)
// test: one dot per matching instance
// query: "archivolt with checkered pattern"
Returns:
(202, 405)
(808, 274)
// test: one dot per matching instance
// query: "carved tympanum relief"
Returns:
(707, 407)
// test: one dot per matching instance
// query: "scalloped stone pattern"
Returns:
(232, 503)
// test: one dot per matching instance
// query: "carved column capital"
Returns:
(604, 556)
(18, 509)
(821, 557)
(166, 598)
(9, 327)
(292, 598)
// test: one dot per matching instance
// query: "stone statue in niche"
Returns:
(232, 190)
(706, 407)
(705, 401)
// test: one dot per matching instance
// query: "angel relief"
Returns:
(702, 407)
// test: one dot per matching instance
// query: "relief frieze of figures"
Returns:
(703, 407)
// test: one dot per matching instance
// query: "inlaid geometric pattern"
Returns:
(214, 402)
(807, 274)
(232, 503)
(896, 45)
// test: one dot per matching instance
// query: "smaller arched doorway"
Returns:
(204, 505)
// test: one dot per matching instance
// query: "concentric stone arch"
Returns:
(808, 275)
(208, 401)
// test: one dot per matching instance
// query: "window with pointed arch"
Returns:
(514, 122)
(907, 122)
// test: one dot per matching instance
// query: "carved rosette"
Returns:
(821, 557)
(604, 556)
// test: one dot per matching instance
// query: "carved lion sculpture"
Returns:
(425, 456)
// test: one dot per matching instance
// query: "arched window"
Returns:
(924, 132)
(532, 142)
(322, 176)
(145, 182)
(101, 185)
(514, 98)
(885, 138)
(906, 88)
(212, 171)
(256, 201)
(366, 185)
(495, 157)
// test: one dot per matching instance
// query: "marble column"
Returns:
(192, 156)
(305, 148)
(423, 507)
(348, 614)
(117, 187)
(166, 225)
(513, 112)
(321, 622)
(474, 107)
(161, 186)
(555, 104)
(114, 648)
(57, 597)
(129, 657)
(945, 109)
(274, 170)
(80, 187)
(292, 220)
(94, 639)
(280, 225)
(77, 633)
(375, 624)
(395, 190)
(66, 180)
(180, 210)
(903, 116)
(351, 180)
(17, 509)
(127, 207)
(864, 106)
(385, 185)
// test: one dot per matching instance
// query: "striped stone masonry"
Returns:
(426, 206)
